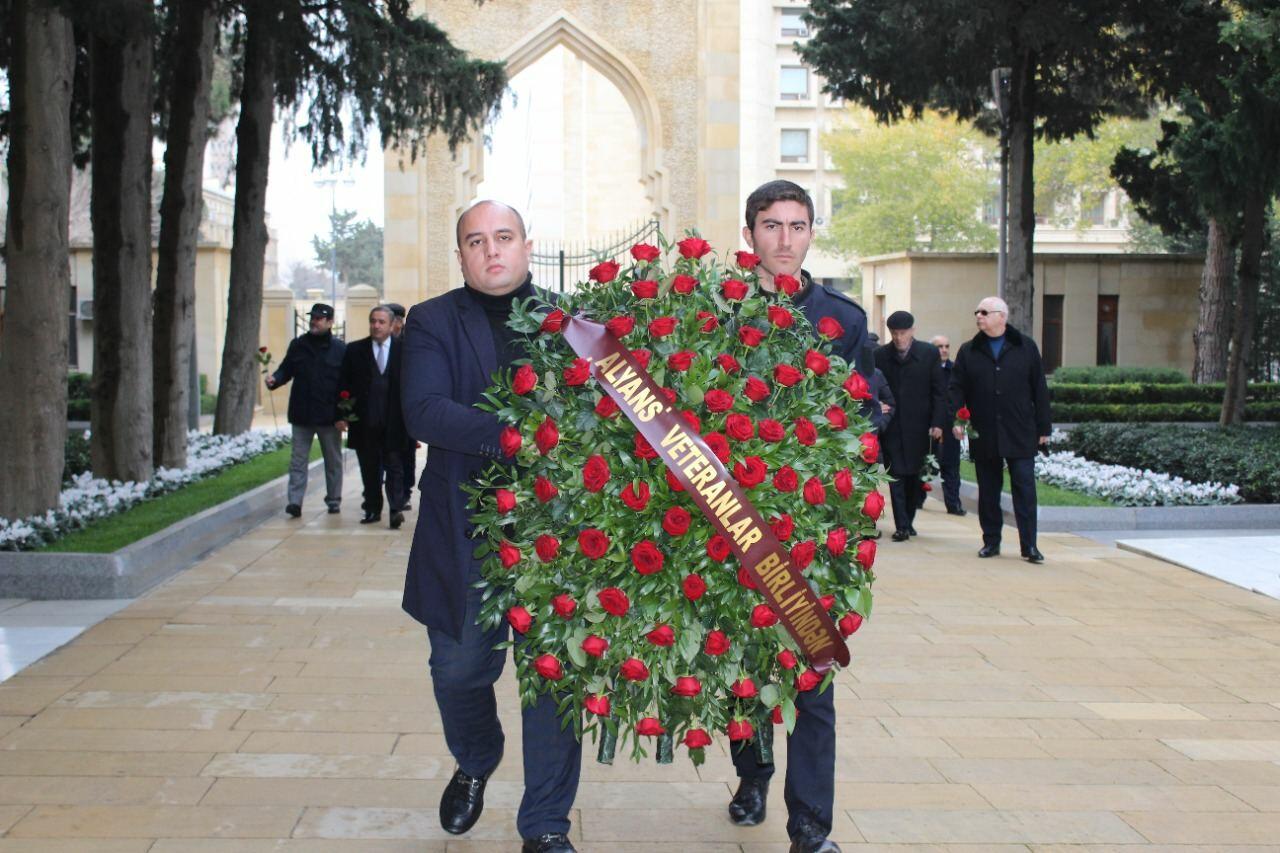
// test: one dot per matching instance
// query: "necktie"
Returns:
(382, 358)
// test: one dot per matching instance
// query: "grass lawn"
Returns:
(138, 522)
(1046, 495)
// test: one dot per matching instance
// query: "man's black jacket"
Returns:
(918, 387)
(1008, 399)
(358, 369)
(314, 363)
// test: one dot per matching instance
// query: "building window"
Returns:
(793, 25)
(794, 146)
(1093, 209)
(1108, 328)
(794, 83)
(1052, 337)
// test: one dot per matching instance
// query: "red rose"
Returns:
(756, 389)
(548, 667)
(660, 327)
(694, 422)
(636, 499)
(597, 704)
(693, 247)
(505, 500)
(642, 356)
(547, 436)
(547, 547)
(837, 419)
(595, 473)
(604, 272)
(519, 619)
(593, 543)
(650, 727)
(606, 408)
(687, 685)
(595, 646)
(750, 336)
(553, 322)
(830, 328)
(676, 521)
(786, 375)
(509, 554)
(642, 448)
(262, 349)
(787, 659)
(740, 730)
(866, 554)
(870, 447)
(806, 432)
(750, 472)
(718, 444)
(762, 616)
(837, 541)
(728, 363)
(739, 427)
(926, 487)
(775, 716)
(718, 401)
(787, 284)
(781, 317)
(814, 492)
(802, 554)
(644, 288)
(743, 688)
(827, 602)
(344, 395)
(772, 431)
(733, 289)
(647, 558)
(746, 260)
(669, 393)
(680, 361)
(577, 373)
(644, 253)
(563, 604)
(807, 680)
(962, 413)
(709, 322)
(662, 636)
(786, 480)
(544, 489)
(510, 441)
(694, 587)
(633, 670)
(745, 579)
(783, 527)
(614, 601)
(850, 623)
(525, 380)
(697, 738)
(621, 325)
(857, 387)
(717, 644)
(718, 548)
(684, 284)
(817, 362)
(844, 483)
(873, 505)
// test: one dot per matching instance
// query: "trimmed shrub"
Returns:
(1082, 413)
(76, 455)
(1148, 392)
(1112, 375)
(78, 396)
(1248, 457)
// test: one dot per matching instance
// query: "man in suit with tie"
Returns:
(409, 459)
(371, 379)
(948, 449)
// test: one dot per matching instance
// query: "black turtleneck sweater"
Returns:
(507, 344)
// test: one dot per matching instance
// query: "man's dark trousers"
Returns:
(811, 760)
(904, 497)
(463, 672)
(947, 452)
(374, 461)
(1022, 485)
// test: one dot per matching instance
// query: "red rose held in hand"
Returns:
(850, 623)
(597, 704)
(684, 284)
(645, 253)
(844, 483)
(577, 373)
(650, 727)
(870, 447)
(733, 289)
(814, 492)
(509, 554)
(547, 436)
(595, 473)
(780, 317)
(633, 670)
(746, 260)
(644, 289)
(740, 730)
(693, 247)
(873, 505)
(676, 521)
(739, 427)
(519, 619)
(614, 601)
(817, 362)
(757, 390)
(750, 336)
(718, 401)
(505, 500)
(510, 441)
(544, 489)
(564, 605)
(687, 685)
(636, 499)
(866, 553)
(524, 381)
(786, 375)
(717, 643)
(697, 738)
(661, 636)
(785, 480)
(547, 547)
(593, 544)
(595, 646)
(548, 667)
(680, 361)
(694, 587)
(553, 322)
(830, 328)
(762, 616)
(962, 413)
(646, 558)
(660, 327)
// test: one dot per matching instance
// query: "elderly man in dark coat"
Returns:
(999, 378)
(914, 372)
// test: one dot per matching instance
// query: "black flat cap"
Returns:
(899, 320)
(321, 310)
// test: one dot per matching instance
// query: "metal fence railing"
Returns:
(562, 266)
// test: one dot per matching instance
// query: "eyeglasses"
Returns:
(982, 312)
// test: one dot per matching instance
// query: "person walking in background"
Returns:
(313, 363)
(947, 450)
(999, 378)
(879, 409)
(408, 459)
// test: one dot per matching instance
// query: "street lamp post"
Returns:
(332, 182)
(1000, 88)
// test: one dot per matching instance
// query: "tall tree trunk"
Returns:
(238, 381)
(1213, 327)
(33, 337)
(180, 209)
(120, 209)
(1252, 240)
(1020, 287)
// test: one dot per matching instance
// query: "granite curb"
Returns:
(134, 569)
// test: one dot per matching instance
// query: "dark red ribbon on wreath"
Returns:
(715, 491)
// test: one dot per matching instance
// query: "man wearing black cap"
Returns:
(914, 372)
(314, 363)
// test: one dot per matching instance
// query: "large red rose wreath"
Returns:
(624, 599)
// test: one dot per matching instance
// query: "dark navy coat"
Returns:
(314, 363)
(820, 300)
(358, 370)
(917, 384)
(1008, 399)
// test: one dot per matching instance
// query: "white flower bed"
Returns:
(88, 499)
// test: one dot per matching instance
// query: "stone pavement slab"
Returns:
(274, 698)
(1251, 562)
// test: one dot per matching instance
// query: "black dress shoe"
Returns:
(811, 838)
(989, 551)
(293, 510)
(747, 808)
(956, 510)
(552, 842)
(397, 519)
(1033, 555)
(901, 536)
(334, 509)
(911, 531)
(462, 802)
(371, 517)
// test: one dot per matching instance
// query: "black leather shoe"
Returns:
(1033, 555)
(462, 802)
(334, 509)
(747, 808)
(293, 510)
(371, 517)
(989, 551)
(397, 519)
(552, 842)
(901, 536)
(810, 838)
(911, 531)
(956, 510)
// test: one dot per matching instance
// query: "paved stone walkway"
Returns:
(274, 698)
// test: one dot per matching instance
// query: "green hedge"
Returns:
(1149, 392)
(78, 396)
(76, 455)
(1249, 457)
(1114, 375)
(1081, 413)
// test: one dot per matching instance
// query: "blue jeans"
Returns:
(463, 672)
